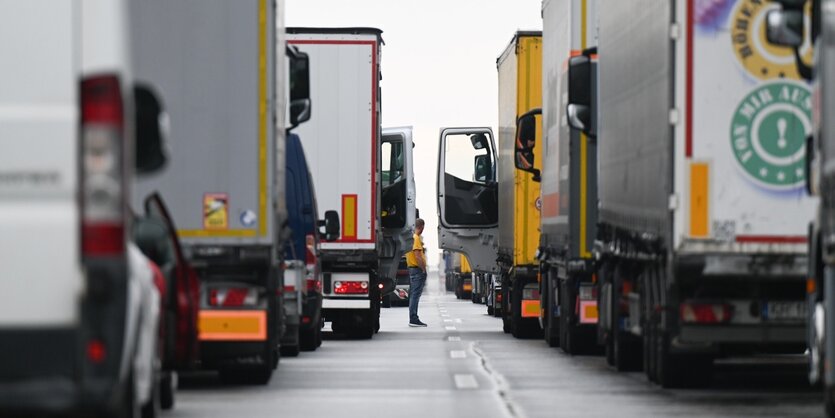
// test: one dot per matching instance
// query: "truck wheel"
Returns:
(386, 301)
(291, 350)
(828, 400)
(318, 337)
(308, 339)
(551, 328)
(248, 376)
(681, 370)
(151, 409)
(490, 310)
(128, 408)
(166, 390)
(650, 363)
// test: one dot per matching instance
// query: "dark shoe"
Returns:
(416, 323)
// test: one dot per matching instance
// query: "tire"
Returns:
(364, 332)
(650, 362)
(248, 376)
(566, 340)
(128, 408)
(551, 330)
(291, 350)
(829, 401)
(308, 339)
(386, 301)
(166, 390)
(490, 310)
(318, 337)
(681, 370)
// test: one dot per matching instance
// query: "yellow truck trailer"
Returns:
(520, 90)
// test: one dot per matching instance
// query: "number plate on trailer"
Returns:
(785, 311)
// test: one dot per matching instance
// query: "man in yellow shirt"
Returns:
(416, 260)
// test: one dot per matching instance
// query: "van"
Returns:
(79, 310)
(302, 277)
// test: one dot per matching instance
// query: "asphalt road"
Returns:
(463, 365)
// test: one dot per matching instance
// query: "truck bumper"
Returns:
(328, 303)
(742, 334)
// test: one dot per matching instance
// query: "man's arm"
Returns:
(420, 259)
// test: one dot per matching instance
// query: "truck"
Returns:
(360, 169)
(520, 90)
(796, 26)
(463, 278)
(498, 236)
(568, 220)
(80, 310)
(702, 217)
(222, 70)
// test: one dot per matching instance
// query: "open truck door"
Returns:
(468, 195)
(397, 199)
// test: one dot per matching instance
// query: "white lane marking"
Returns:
(454, 339)
(457, 354)
(450, 328)
(465, 381)
(447, 320)
(457, 320)
(444, 316)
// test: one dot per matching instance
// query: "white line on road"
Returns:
(450, 328)
(454, 339)
(457, 320)
(458, 354)
(447, 320)
(465, 381)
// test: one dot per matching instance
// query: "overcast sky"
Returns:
(439, 67)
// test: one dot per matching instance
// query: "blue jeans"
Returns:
(417, 280)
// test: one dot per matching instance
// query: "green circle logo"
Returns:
(768, 134)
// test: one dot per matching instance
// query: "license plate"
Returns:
(786, 311)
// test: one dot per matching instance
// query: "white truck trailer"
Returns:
(702, 214)
(222, 72)
(363, 172)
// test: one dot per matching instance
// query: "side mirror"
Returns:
(525, 143)
(579, 116)
(331, 225)
(300, 103)
(580, 97)
(482, 169)
(151, 131)
(785, 27)
(479, 141)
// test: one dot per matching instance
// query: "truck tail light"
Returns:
(588, 293)
(350, 288)
(103, 167)
(530, 291)
(233, 297)
(96, 351)
(705, 313)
